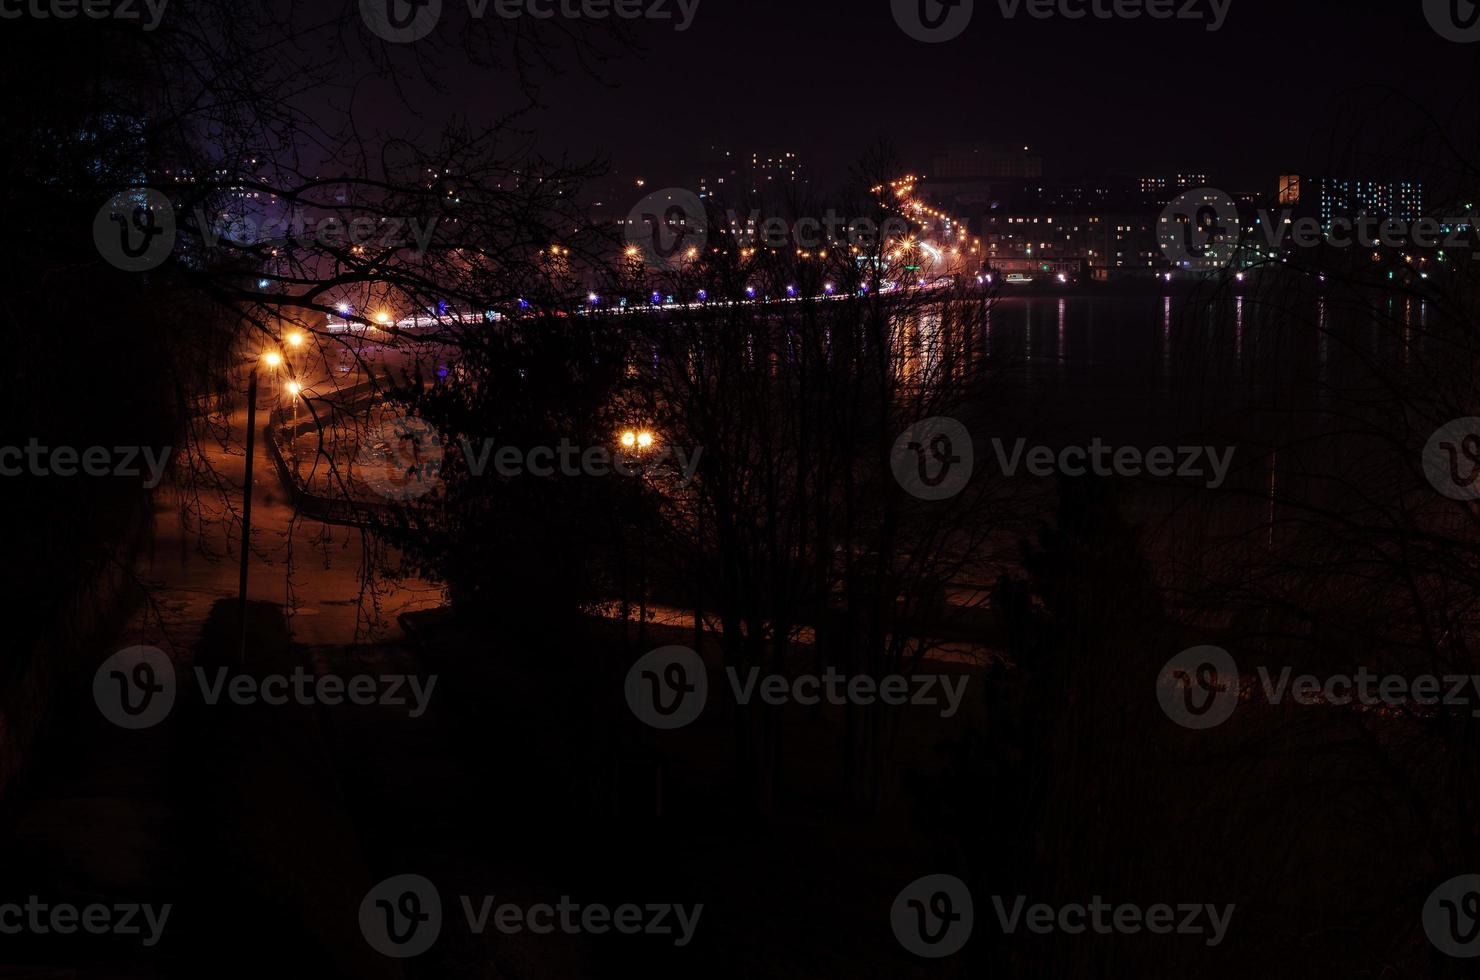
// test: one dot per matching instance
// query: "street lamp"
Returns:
(273, 359)
(640, 441)
(294, 389)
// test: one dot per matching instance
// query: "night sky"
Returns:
(1280, 85)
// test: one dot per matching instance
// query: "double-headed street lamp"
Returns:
(638, 442)
(641, 440)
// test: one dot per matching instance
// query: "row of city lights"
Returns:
(641, 439)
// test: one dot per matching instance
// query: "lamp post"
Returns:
(639, 442)
(241, 598)
(294, 390)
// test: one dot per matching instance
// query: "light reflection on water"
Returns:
(1154, 369)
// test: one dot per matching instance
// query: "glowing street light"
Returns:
(295, 339)
(272, 359)
(294, 390)
(641, 439)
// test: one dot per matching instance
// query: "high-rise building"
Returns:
(737, 176)
(1175, 183)
(1328, 198)
(771, 166)
(985, 161)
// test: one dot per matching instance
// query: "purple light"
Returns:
(703, 294)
